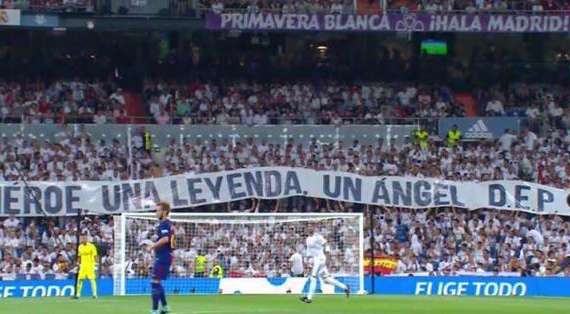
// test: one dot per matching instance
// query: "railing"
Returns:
(163, 134)
(427, 123)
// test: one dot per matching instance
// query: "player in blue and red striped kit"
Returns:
(163, 249)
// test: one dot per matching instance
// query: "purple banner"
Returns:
(392, 22)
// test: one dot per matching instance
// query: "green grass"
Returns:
(290, 304)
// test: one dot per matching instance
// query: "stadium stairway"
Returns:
(135, 107)
(368, 6)
(469, 104)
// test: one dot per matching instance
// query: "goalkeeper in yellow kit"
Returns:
(87, 254)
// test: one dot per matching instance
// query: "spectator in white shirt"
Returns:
(296, 261)
(555, 113)
(218, 7)
(507, 140)
(532, 112)
(11, 222)
(100, 118)
(154, 106)
(530, 139)
(259, 119)
(118, 96)
(495, 108)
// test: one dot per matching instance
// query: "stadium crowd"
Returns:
(450, 241)
(523, 156)
(335, 103)
(513, 157)
(340, 6)
(203, 102)
(332, 103)
(44, 248)
(434, 242)
(245, 249)
(447, 241)
(434, 6)
(305, 6)
(50, 5)
(73, 101)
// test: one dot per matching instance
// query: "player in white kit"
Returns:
(316, 247)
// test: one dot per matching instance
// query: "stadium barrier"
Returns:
(490, 128)
(472, 286)
(452, 286)
(50, 288)
(188, 286)
(276, 134)
(183, 286)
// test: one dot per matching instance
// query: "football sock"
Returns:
(336, 283)
(312, 287)
(94, 287)
(79, 287)
(162, 295)
(155, 295)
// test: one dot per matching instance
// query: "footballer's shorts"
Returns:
(86, 273)
(319, 268)
(160, 270)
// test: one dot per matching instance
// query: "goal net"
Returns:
(239, 253)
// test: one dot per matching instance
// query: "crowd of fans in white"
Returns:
(306, 103)
(244, 103)
(446, 241)
(62, 102)
(336, 103)
(237, 103)
(455, 242)
(434, 242)
(34, 248)
(246, 249)
(431, 241)
(522, 156)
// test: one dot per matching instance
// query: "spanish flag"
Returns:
(383, 264)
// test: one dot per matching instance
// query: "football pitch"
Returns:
(241, 304)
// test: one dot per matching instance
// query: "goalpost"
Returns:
(252, 249)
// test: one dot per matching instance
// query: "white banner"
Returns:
(266, 286)
(10, 17)
(190, 190)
